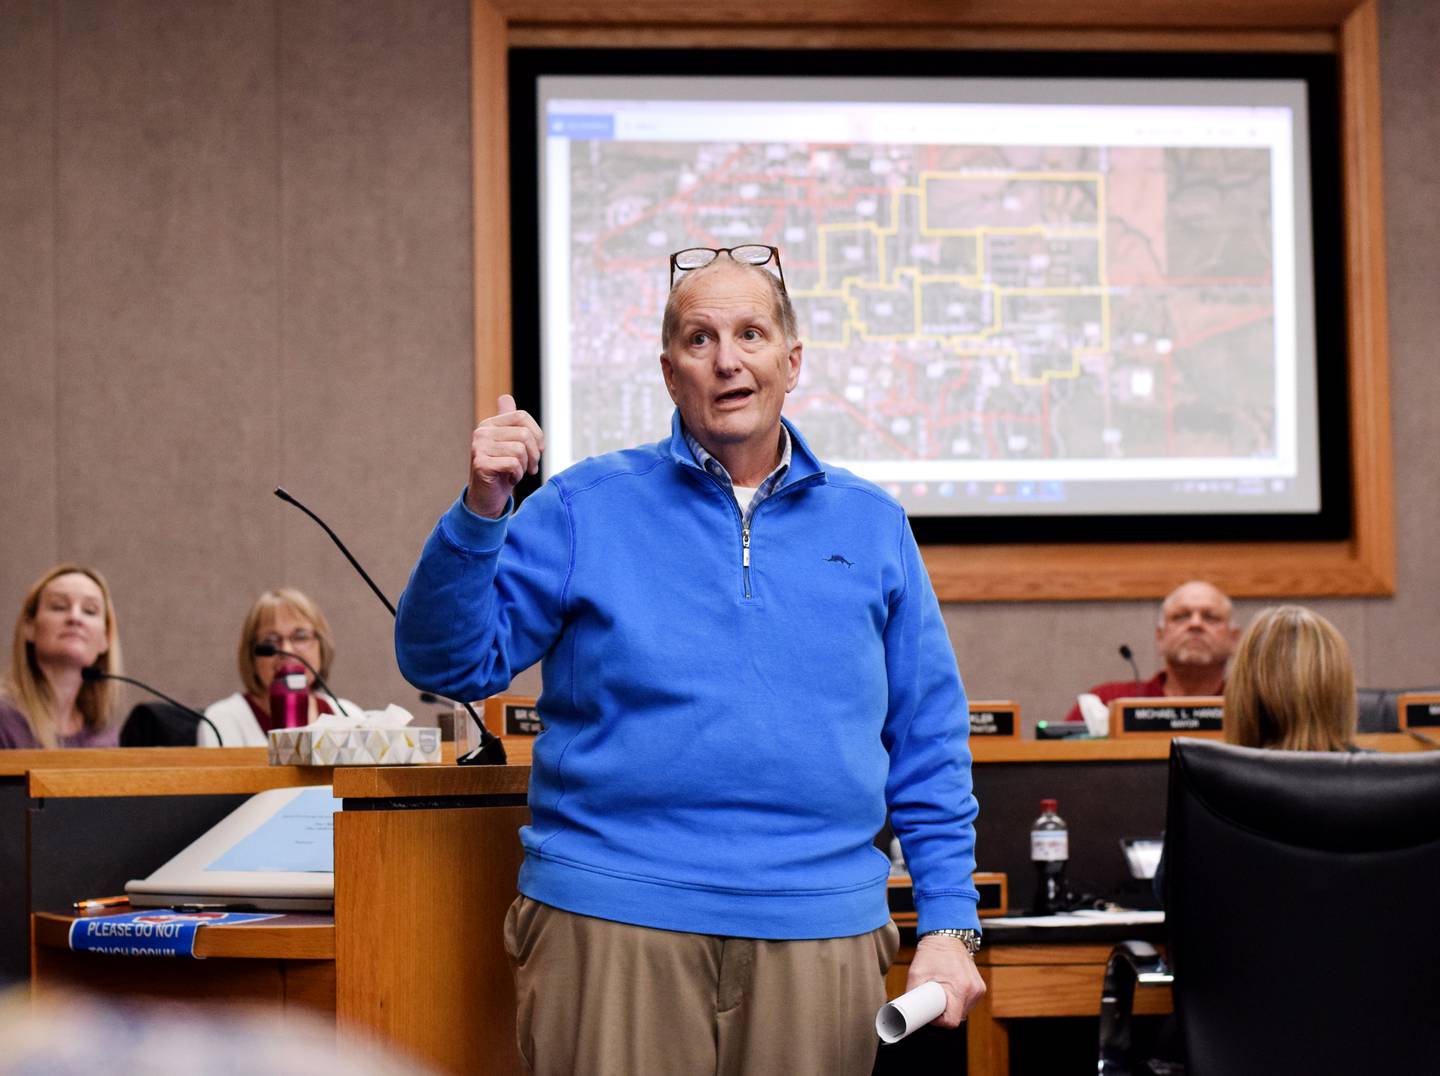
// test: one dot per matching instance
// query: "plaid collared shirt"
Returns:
(717, 469)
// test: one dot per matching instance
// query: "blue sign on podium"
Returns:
(149, 933)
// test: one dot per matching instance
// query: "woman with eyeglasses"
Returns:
(285, 619)
(66, 624)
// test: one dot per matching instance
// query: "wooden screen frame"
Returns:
(1362, 565)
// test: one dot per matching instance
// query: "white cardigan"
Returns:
(236, 721)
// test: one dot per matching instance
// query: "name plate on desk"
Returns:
(512, 715)
(1418, 710)
(1191, 715)
(994, 718)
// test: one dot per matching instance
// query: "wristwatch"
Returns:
(971, 938)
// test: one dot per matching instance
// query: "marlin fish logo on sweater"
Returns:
(836, 558)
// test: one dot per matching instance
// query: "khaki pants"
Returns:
(603, 998)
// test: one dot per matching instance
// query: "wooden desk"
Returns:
(426, 859)
(286, 964)
(1108, 789)
(52, 840)
(1024, 979)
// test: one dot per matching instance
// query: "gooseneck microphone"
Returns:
(1129, 655)
(92, 674)
(491, 751)
(267, 650)
(285, 496)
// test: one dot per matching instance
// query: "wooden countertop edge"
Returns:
(1133, 748)
(18, 763)
(386, 782)
(244, 772)
(177, 781)
(296, 937)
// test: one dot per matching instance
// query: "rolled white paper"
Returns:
(909, 1011)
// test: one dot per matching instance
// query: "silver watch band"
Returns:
(971, 938)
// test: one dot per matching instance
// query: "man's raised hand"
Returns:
(503, 449)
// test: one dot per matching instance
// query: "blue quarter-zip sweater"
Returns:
(722, 731)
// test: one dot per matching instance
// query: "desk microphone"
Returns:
(93, 674)
(1129, 655)
(491, 751)
(268, 650)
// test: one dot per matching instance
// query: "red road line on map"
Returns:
(859, 416)
(946, 417)
(987, 423)
(1169, 405)
(1045, 417)
(674, 198)
(1220, 330)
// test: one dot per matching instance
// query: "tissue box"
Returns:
(354, 747)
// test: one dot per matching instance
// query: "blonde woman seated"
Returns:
(1291, 685)
(288, 620)
(66, 622)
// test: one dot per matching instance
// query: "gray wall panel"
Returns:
(28, 540)
(375, 314)
(165, 253)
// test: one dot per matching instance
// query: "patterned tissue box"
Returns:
(354, 747)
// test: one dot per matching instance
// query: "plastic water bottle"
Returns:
(1050, 851)
(289, 696)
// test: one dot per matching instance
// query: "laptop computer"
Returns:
(275, 852)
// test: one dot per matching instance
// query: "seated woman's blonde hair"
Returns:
(26, 687)
(266, 606)
(1292, 684)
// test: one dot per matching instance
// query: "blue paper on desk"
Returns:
(148, 933)
(298, 837)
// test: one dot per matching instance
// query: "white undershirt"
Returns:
(743, 496)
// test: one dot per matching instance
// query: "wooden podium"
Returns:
(426, 859)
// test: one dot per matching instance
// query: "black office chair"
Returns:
(158, 724)
(1300, 894)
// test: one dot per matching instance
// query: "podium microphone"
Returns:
(491, 751)
(266, 650)
(93, 675)
(1129, 655)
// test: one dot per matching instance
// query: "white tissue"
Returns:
(392, 717)
(1095, 713)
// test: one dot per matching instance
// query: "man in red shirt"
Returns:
(1195, 638)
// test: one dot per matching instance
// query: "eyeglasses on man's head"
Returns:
(691, 258)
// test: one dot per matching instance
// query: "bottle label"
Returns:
(295, 681)
(1049, 845)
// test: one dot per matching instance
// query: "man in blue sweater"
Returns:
(744, 665)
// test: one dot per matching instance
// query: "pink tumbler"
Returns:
(289, 696)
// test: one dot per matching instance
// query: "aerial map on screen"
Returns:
(1050, 306)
